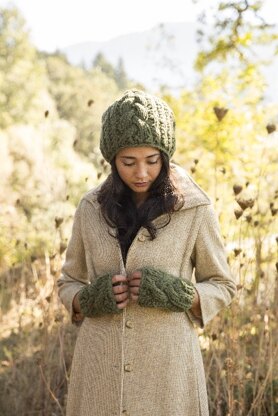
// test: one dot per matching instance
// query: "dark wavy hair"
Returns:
(120, 211)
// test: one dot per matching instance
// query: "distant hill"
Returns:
(163, 55)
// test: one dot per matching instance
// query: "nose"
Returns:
(141, 171)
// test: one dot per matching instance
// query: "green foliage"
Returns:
(120, 76)
(101, 63)
(43, 178)
(81, 97)
(22, 77)
(50, 110)
(238, 30)
(117, 73)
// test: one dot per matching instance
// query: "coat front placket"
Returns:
(133, 317)
(127, 364)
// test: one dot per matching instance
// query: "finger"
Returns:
(122, 305)
(78, 317)
(120, 289)
(134, 297)
(136, 275)
(118, 278)
(120, 283)
(134, 290)
(134, 282)
(121, 297)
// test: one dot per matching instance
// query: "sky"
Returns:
(54, 24)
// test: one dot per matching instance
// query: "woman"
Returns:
(136, 241)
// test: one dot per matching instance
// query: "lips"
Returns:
(141, 184)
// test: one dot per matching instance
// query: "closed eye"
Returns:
(149, 162)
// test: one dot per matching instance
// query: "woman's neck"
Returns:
(139, 198)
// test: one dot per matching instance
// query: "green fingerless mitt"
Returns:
(98, 298)
(162, 290)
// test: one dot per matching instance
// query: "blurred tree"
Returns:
(22, 75)
(224, 115)
(238, 34)
(118, 73)
(81, 97)
(222, 120)
(41, 177)
(101, 63)
(121, 75)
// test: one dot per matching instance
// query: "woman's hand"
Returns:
(120, 290)
(78, 316)
(196, 306)
(134, 285)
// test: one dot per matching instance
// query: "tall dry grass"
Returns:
(36, 341)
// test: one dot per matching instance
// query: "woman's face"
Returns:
(138, 167)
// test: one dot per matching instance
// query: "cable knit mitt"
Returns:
(98, 298)
(162, 290)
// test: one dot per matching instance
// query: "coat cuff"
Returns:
(196, 320)
(67, 293)
(213, 298)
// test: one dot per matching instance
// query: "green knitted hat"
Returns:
(137, 119)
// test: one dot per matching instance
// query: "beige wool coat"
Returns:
(145, 361)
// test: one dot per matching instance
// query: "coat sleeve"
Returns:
(74, 270)
(214, 282)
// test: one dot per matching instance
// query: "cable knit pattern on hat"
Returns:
(162, 290)
(137, 119)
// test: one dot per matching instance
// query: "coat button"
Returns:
(141, 238)
(129, 324)
(128, 368)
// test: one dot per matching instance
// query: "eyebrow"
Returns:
(132, 157)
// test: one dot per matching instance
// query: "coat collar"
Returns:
(193, 195)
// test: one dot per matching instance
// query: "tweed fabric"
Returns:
(162, 290)
(137, 119)
(97, 298)
(145, 361)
